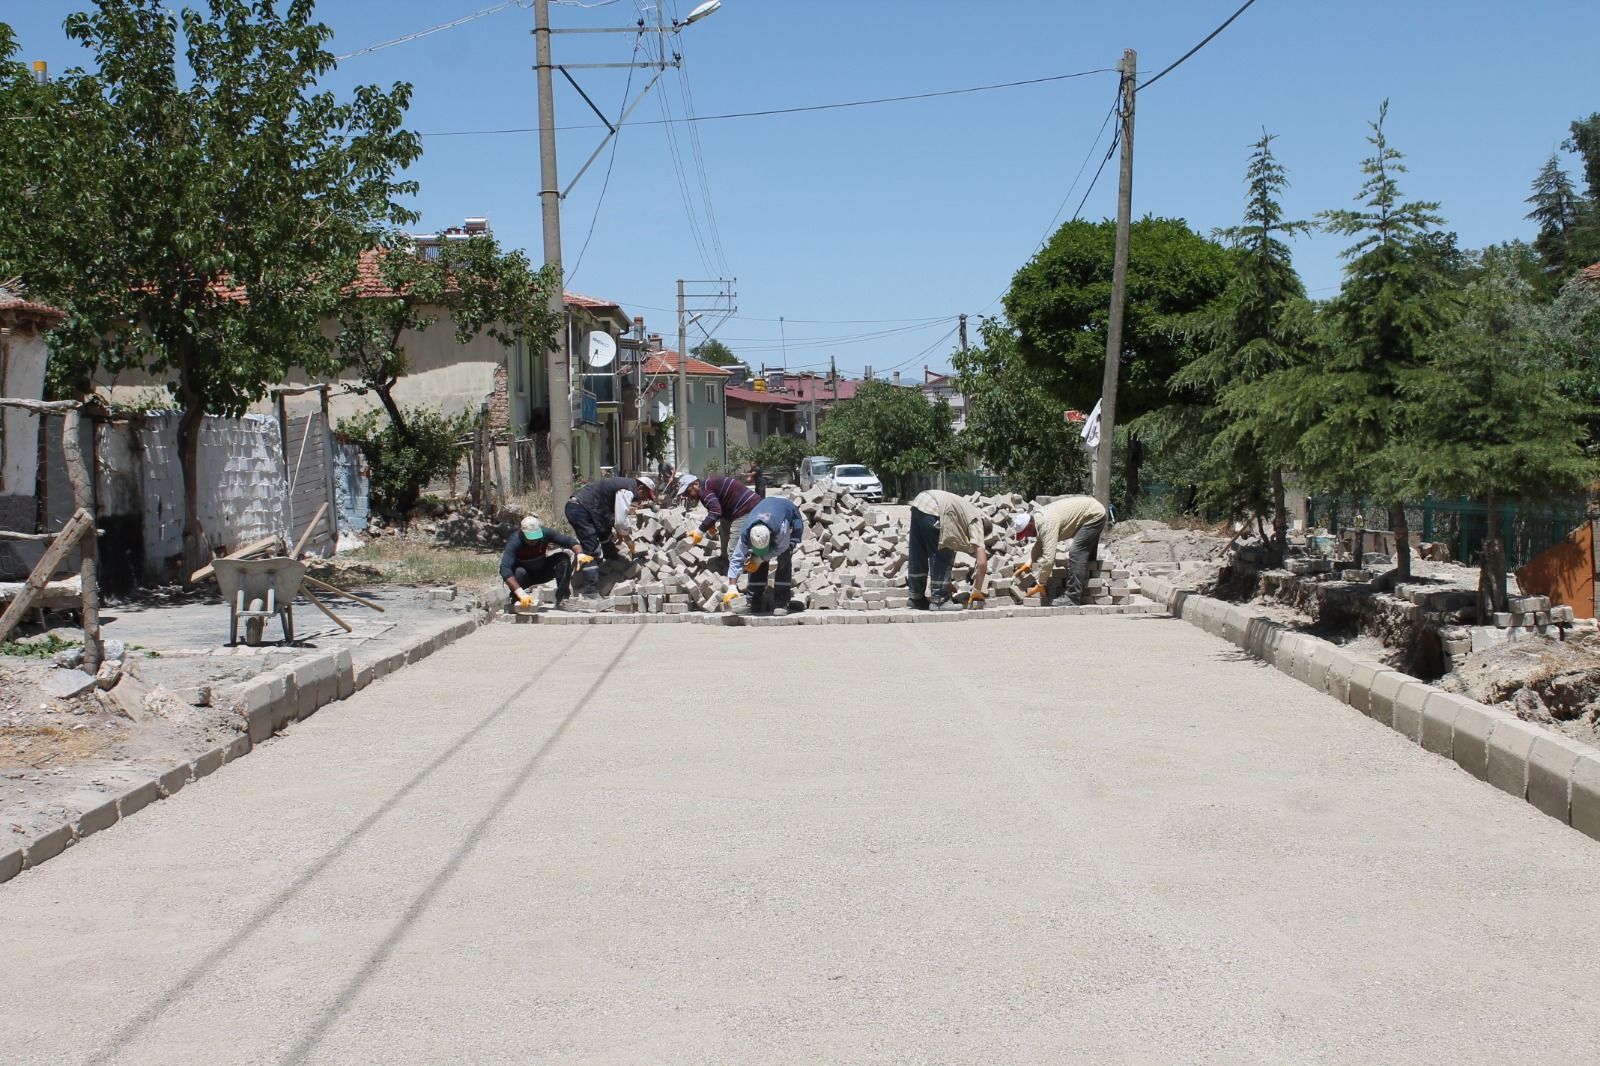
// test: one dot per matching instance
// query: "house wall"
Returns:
(22, 359)
(705, 415)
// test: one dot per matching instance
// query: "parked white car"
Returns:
(858, 480)
(814, 470)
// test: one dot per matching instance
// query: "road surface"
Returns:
(1036, 840)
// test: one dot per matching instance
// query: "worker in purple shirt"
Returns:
(727, 500)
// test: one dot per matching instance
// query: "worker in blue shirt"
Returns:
(772, 531)
(529, 560)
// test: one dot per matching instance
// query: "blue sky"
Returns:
(868, 229)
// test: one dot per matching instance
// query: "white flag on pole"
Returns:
(1091, 428)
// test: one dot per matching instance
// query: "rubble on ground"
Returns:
(853, 557)
(1552, 682)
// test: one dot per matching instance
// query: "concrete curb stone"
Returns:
(1584, 792)
(44, 848)
(173, 781)
(1409, 703)
(94, 820)
(1510, 741)
(209, 763)
(1385, 691)
(1361, 679)
(138, 798)
(1439, 712)
(1469, 738)
(1551, 763)
(11, 863)
(1339, 673)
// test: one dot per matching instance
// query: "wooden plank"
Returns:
(243, 553)
(324, 608)
(40, 406)
(80, 525)
(311, 526)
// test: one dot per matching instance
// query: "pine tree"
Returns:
(1556, 208)
(1488, 414)
(1392, 301)
(1259, 326)
(1585, 240)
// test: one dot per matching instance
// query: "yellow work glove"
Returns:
(752, 566)
(695, 536)
(1023, 569)
(523, 598)
(1037, 590)
(975, 597)
(584, 560)
(731, 595)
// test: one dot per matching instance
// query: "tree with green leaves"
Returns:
(1584, 247)
(471, 282)
(714, 352)
(198, 212)
(1260, 325)
(780, 454)
(1014, 425)
(1061, 300)
(1488, 413)
(891, 429)
(1345, 406)
(1556, 208)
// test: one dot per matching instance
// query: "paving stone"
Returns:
(1510, 741)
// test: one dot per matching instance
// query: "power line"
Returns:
(1195, 49)
(796, 110)
(524, 4)
(611, 162)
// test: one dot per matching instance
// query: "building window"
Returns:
(711, 438)
(711, 393)
(691, 437)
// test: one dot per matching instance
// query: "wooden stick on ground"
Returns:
(324, 609)
(311, 526)
(80, 525)
(308, 580)
(243, 553)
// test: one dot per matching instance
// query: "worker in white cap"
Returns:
(599, 513)
(766, 544)
(1081, 518)
(535, 555)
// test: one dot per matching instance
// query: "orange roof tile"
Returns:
(666, 362)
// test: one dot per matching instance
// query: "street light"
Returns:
(707, 8)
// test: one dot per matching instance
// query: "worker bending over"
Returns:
(772, 531)
(599, 512)
(1082, 518)
(728, 502)
(942, 524)
(529, 561)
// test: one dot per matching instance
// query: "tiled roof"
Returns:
(804, 388)
(735, 394)
(666, 362)
(14, 302)
(593, 303)
(1591, 273)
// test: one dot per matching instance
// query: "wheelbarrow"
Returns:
(257, 589)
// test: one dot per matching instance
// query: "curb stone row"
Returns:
(817, 618)
(269, 702)
(1559, 776)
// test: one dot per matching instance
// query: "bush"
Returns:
(780, 457)
(402, 460)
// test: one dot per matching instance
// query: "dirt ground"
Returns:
(1551, 682)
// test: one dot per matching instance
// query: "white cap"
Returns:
(685, 480)
(760, 538)
(532, 528)
(1019, 522)
(647, 481)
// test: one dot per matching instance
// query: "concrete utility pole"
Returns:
(681, 408)
(963, 334)
(1119, 285)
(558, 376)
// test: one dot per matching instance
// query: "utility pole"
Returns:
(963, 334)
(559, 381)
(1119, 286)
(681, 408)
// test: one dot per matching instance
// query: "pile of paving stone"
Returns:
(853, 557)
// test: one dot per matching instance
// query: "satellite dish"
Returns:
(600, 349)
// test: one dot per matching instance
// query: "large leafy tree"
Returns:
(1489, 414)
(1584, 248)
(714, 352)
(1061, 300)
(894, 430)
(1259, 326)
(199, 210)
(1014, 425)
(1345, 407)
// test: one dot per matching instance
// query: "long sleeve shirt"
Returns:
(1060, 521)
(725, 498)
(607, 501)
(520, 551)
(961, 525)
(777, 514)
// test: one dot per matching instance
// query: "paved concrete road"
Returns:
(1048, 840)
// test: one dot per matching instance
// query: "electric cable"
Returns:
(611, 161)
(1196, 48)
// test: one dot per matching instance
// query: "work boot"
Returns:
(918, 603)
(946, 605)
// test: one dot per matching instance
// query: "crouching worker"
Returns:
(1080, 517)
(598, 513)
(765, 548)
(942, 524)
(535, 555)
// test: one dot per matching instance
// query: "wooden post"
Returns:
(80, 525)
(88, 572)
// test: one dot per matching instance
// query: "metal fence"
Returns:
(1527, 528)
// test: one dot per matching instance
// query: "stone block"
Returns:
(1339, 671)
(103, 816)
(1290, 647)
(1510, 741)
(208, 764)
(1385, 692)
(49, 845)
(1584, 795)
(1550, 764)
(10, 864)
(344, 674)
(1409, 704)
(173, 780)
(138, 798)
(1361, 678)
(65, 684)
(1439, 712)
(1312, 669)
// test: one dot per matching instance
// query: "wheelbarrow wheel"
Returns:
(252, 631)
